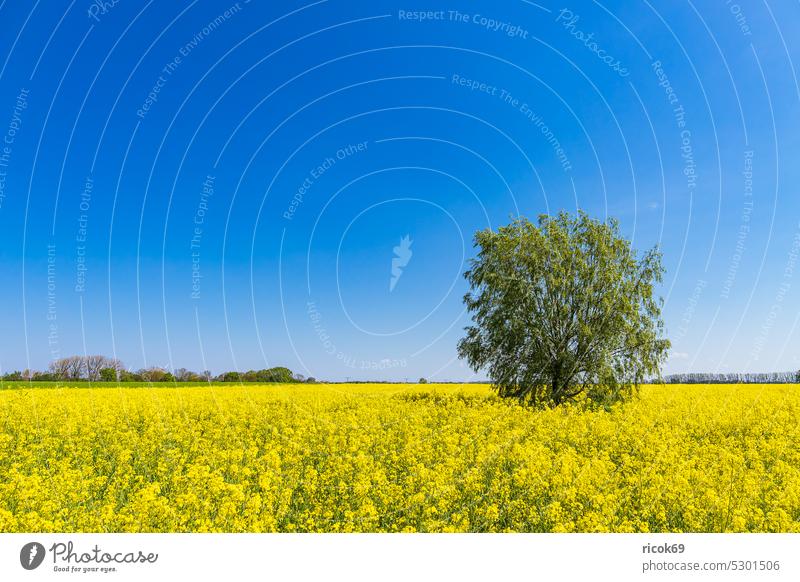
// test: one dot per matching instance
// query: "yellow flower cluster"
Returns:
(331, 458)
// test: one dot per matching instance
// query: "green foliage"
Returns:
(154, 374)
(563, 310)
(278, 374)
(103, 369)
(43, 377)
(423, 381)
(108, 375)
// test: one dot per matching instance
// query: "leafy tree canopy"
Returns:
(563, 310)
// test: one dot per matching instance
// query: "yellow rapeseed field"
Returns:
(435, 458)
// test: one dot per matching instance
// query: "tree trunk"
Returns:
(556, 390)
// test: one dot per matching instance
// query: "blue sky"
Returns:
(223, 185)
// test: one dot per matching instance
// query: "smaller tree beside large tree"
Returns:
(563, 311)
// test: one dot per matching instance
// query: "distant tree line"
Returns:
(734, 378)
(105, 369)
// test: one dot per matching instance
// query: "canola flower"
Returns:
(389, 458)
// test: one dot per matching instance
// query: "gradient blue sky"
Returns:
(268, 103)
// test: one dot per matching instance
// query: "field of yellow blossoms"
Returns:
(433, 458)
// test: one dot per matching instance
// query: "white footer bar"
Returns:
(372, 557)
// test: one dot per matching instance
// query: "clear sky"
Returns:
(218, 185)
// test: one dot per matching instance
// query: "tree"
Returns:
(563, 310)
(75, 367)
(114, 364)
(108, 375)
(184, 375)
(152, 374)
(423, 380)
(83, 367)
(43, 377)
(128, 376)
(93, 365)
(60, 368)
(70, 368)
(278, 374)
